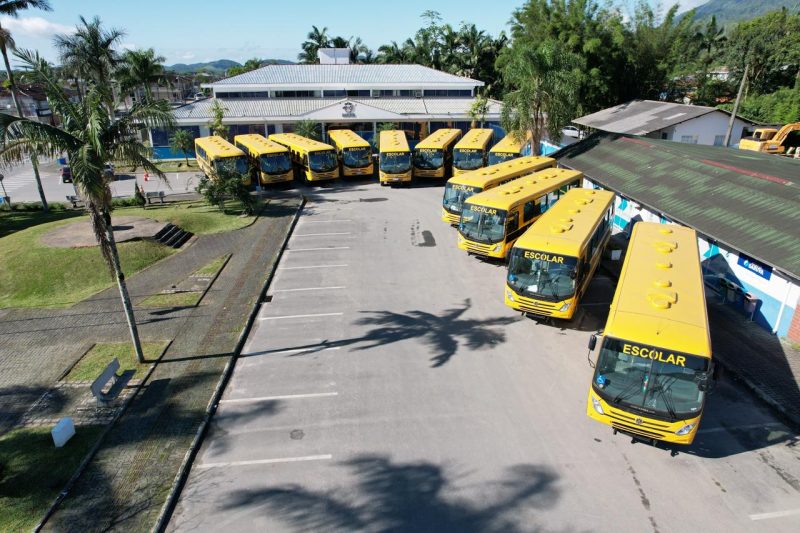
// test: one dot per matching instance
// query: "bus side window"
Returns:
(542, 203)
(552, 197)
(513, 222)
(530, 210)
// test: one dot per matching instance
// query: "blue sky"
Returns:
(189, 32)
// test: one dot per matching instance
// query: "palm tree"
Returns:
(12, 8)
(308, 129)
(316, 39)
(140, 69)
(216, 124)
(183, 142)
(391, 53)
(544, 81)
(90, 52)
(91, 138)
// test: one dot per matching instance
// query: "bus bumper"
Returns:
(495, 251)
(562, 310)
(314, 176)
(350, 172)
(420, 173)
(640, 427)
(395, 178)
(281, 178)
(450, 218)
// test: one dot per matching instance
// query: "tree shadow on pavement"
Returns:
(443, 333)
(414, 496)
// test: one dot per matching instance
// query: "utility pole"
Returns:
(727, 140)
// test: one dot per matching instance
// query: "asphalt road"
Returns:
(386, 387)
(20, 183)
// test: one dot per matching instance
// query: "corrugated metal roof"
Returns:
(266, 108)
(640, 117)
(343, 75)
(749, 201)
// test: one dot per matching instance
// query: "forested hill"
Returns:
(732, 11)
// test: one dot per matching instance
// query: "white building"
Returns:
(668, 121)
(273, 98)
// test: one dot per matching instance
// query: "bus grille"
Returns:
(452, 218)
(475, 248)
(537, 307)
(623, 421)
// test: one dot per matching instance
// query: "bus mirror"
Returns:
(573, 273)
(592, 342)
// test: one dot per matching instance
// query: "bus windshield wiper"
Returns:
(666, 395)
(625, 394)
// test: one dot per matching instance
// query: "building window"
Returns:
(359, 93)
(448, 92)
(719, 140)
(297, 94)
(406, 93)
(335, 93)
(689, 139)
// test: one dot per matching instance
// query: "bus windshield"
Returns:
(501, 157)
(542, 275)
(653, 380)
(455, 195)
(467, 159)
(395, 162)
(322, 161)
(356, 157)
(482, 224)
(428, 158)
(237, 164)
(276, 163)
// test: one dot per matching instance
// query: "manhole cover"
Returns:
(297, 434)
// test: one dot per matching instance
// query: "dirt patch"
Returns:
(80, 235)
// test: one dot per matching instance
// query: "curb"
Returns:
(183, 472)
(93, 451)
(213, 280)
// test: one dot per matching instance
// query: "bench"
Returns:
(150, 196)
(74, 200)
(109, 374)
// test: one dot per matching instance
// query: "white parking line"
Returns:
(267, 461)
(299, 350)
(321, 221)
(310, 289)
(284, 397)
(777, 514)
(312, 266)
(321, 234)
(298, 316)
(318, 249)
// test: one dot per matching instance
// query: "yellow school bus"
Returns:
(355, 154)
(509, 147)
(551, 265)
(459, 188)
(313, 160)
(493, 220)
(394, 158)
(433, 156)
(270, 160)
(654, 366)
(215, 154)
(470, 152)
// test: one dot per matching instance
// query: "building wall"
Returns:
(708, 129)
(777, 294)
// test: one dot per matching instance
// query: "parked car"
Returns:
(572, 131)
(108, 171)
(66, 174)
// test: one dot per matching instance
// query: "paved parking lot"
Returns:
(386, 387)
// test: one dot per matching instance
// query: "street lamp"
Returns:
(6, 199)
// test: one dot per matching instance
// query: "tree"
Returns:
(91, 138)
(544, 82)
(182, 142)
(139, 69)
(479, 108)
(90, 53)
(226, 184)
(315, 40)
(308, 129)
(382, 126)
(250, 64)
(391, 53)
(12, 8)
(215, 124)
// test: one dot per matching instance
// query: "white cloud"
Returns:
(34, 27)
(128, 46)
(187, 55)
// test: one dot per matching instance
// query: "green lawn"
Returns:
(212, 268)
(34, 275)
(95, 360)
(166, 166)
(33, 472)
(173, 299)
(194, 216)
(13, 221)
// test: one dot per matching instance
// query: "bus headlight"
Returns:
(497, 247)
(597, 406)
(565, 307)
(510, 294)
(686, 429)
